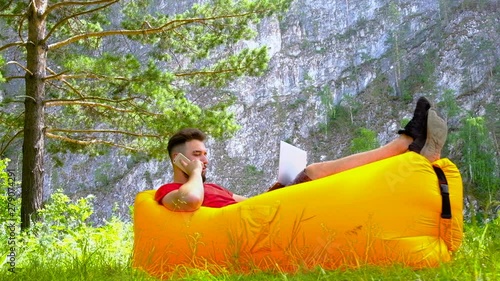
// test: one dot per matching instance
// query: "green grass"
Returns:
(477, 259)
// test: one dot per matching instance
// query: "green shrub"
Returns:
(449, 106)
(364, 140)
(64, 242)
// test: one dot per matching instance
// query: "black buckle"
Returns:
(444, 188)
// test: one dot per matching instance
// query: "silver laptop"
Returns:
(292, 161)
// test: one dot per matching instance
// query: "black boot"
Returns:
(417, 127)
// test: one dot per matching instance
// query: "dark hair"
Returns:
(183, 136)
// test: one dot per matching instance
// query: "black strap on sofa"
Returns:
(445, 193)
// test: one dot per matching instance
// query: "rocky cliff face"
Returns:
(335, 66)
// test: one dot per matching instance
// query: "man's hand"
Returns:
(193, 167)
(190, 195)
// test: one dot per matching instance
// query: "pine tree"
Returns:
(114, 73)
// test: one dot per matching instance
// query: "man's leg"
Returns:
(413, 137)
(323, 169)
(437, 132)
(327, 168)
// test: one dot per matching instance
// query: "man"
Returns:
(425, 134)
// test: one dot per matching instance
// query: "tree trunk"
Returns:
(398, 66)
(33, 144)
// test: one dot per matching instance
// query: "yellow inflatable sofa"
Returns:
(387, 212)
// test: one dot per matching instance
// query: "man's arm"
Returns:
(190, 195)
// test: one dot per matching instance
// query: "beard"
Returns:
(203, 176)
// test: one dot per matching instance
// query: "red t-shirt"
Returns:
(215, 196)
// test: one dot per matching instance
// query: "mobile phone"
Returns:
(178, 163)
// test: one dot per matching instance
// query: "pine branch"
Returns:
(66, 83)
(107, 100)
(6, 5)
(54, 28)
(194, 73)
(76, 3)
(174, 24)
(50, 103)
(84, 98)
(10, 15)
(14, 77)
(90, 142)
(58, 76)
(62, 76)
(10, 141)
(96, 131)
(13, 44)
(20, 27)
(21, 66)
(82, 102)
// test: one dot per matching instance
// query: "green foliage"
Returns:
(403, 122)
(64, 243)
(409, 79)
(364, 140)
(393, 13)
(10, 128)
(340, 117)
(103, 175)
(449, 106)
(2, 62)
(479, 164)
(380, 86)
(11, 122)
(492, 122)
(480, 51)
(352, 105)
(421, 76)
(476, 5)
(326, 98)
(252, 171)
(102, 93)
(12, 7)
(246, 62)
(60, 215)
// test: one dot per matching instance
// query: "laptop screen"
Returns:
(292, 161)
